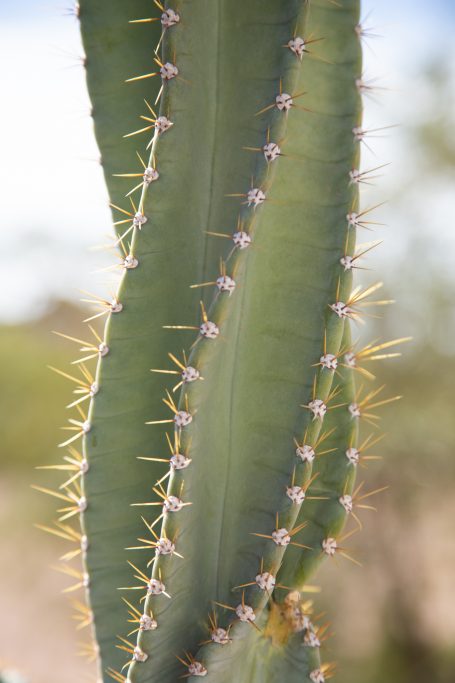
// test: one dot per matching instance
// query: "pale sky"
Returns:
(54, 199)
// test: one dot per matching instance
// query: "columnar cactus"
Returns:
(220, 445)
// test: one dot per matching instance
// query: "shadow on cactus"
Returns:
(219, 424)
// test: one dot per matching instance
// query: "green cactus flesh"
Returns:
(232, 281)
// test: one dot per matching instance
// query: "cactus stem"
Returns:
(323, 392)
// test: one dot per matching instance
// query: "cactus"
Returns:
(226, 469)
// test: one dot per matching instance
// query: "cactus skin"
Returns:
(261, 370)
(112, 49)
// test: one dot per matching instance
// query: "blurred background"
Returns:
(393, 620)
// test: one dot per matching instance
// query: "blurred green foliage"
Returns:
(32, 402)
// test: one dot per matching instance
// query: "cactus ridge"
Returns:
(249, 241)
